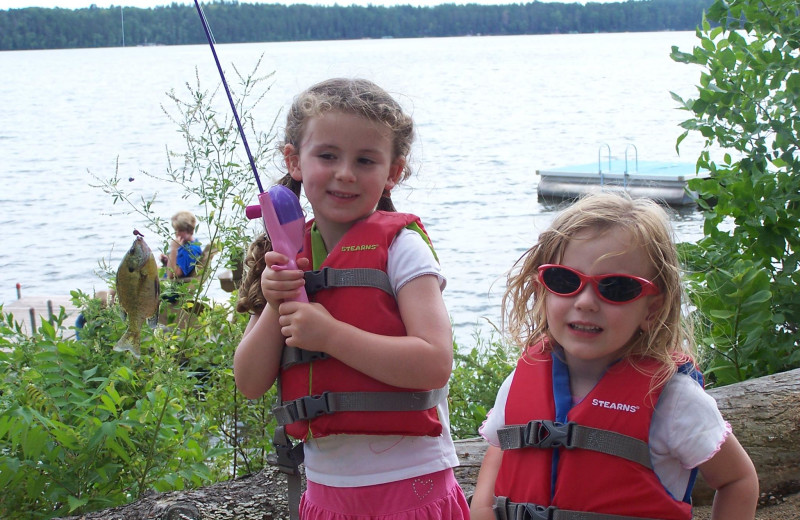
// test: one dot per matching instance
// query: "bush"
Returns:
(85, 428)
(477, 375)
(744, 273)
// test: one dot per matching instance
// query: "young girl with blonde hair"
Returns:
(604, 416)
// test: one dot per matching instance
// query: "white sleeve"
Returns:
(687, 423)
(410, 257)
(496, 418)
(687, 430)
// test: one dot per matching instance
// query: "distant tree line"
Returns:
(234, 22)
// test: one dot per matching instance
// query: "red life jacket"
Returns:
(580, 479)
(365, 245)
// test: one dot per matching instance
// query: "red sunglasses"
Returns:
(614, 288)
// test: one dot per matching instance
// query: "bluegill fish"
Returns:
(137, 292)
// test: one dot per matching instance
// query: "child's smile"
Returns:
(593, 332)
(345, 163)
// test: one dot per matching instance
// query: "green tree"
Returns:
(745, 269)
(178, 24)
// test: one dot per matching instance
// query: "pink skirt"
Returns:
(436, 496)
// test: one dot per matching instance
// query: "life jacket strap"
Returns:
(295, 356)
(311, 406)
(288, 458)
(551, 434)
(504, 509)
(328, 277)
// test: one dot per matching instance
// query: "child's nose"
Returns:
(587, 298)
(345, 173)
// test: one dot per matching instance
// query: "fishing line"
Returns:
(228, 92)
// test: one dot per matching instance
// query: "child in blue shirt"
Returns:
(184, 250)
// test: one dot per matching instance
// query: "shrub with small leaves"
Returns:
(477, 375)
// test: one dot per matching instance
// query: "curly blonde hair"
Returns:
(669, 340)
(349, 96)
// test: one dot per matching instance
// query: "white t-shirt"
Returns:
(366, 460)
(687, 430)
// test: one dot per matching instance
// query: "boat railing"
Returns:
(600, 161)
(636, 158)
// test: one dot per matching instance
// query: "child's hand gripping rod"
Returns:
(283, 218)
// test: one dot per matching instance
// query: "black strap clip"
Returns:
(549, 434)
(287, 457)
(294, 356)
(534, 512)
(312, 406)
(316, 280)
(504, 509)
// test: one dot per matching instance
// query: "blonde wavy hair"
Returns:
(349, 96)
(184, 221)
(669, 340)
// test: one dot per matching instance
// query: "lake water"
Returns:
(490, 111)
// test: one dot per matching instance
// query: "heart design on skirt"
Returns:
(422, 487)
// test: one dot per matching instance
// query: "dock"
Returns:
(664, 182)
(29, 310)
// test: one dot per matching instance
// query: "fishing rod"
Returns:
(279, 207)
(285, 224)
(210, 38)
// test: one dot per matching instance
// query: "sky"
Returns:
(78, 4)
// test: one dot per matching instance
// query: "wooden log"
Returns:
(764, 414)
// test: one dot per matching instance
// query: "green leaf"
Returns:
(48, 329)
(722, 314)
(760, 297)
(76, 503)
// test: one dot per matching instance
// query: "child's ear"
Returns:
(291, 157)
(652, 312)
(395, 173)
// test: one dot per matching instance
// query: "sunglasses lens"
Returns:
(561, 281)
(619, 288)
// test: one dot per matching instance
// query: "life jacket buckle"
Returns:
(504, 509)
(549, 434)
(295, 356)
(536, 512)
(287, 457)
(312, 406)
(316, 280)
